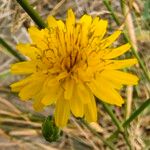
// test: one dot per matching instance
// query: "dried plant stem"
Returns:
(13, 108)
(85, 134)
(131, 32)
(53, 12)
(10, 106)
(129, 92)
(17, 122)
(107, 143)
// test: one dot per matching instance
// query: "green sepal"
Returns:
(49, 130)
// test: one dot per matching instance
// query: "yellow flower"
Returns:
(68, 64)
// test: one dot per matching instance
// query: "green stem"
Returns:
(132, 117)
(113, 117)
(4, 74)
(135, 53)
(106, 2)
(32, 13)
(107, 143)
(117, 123)
(136, 113)
(11, 50)
(113, 136)
(125, 135)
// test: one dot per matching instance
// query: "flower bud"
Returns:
(49, 130)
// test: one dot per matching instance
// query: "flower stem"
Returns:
(32, 13)
(11, 50)
(107, 143)
(106, 3)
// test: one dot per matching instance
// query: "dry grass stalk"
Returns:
(131, 32)
(129, 91)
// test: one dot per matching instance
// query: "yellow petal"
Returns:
(119, 64)
(91, 110)
(28, 50)
(69, 87)
(85, 21)
(51, 94)
(76, 106)
(83, 93)
(104, 91)
(51, 81)
(117, 51)
(62, 112)
(62, 75)
(30, 90)
(94, 24)
(100, 30)
(109, 40)
(48, 99)
(77, 102)
(111, 81)
(70, 21)
(52, 22)
(16, 87)
(71, 16)
(27, 67)
(120, 77)
(39, 37)
(70, 24)
(35, 33)
(61, 25)
(81, 96)
(61, 36)
(37, 105)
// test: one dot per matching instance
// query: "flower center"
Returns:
(68, 63)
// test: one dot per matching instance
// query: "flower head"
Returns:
(69, 63)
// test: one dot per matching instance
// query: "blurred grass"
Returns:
(20, 126)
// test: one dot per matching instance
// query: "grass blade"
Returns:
(136, 113)
(11, 50)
